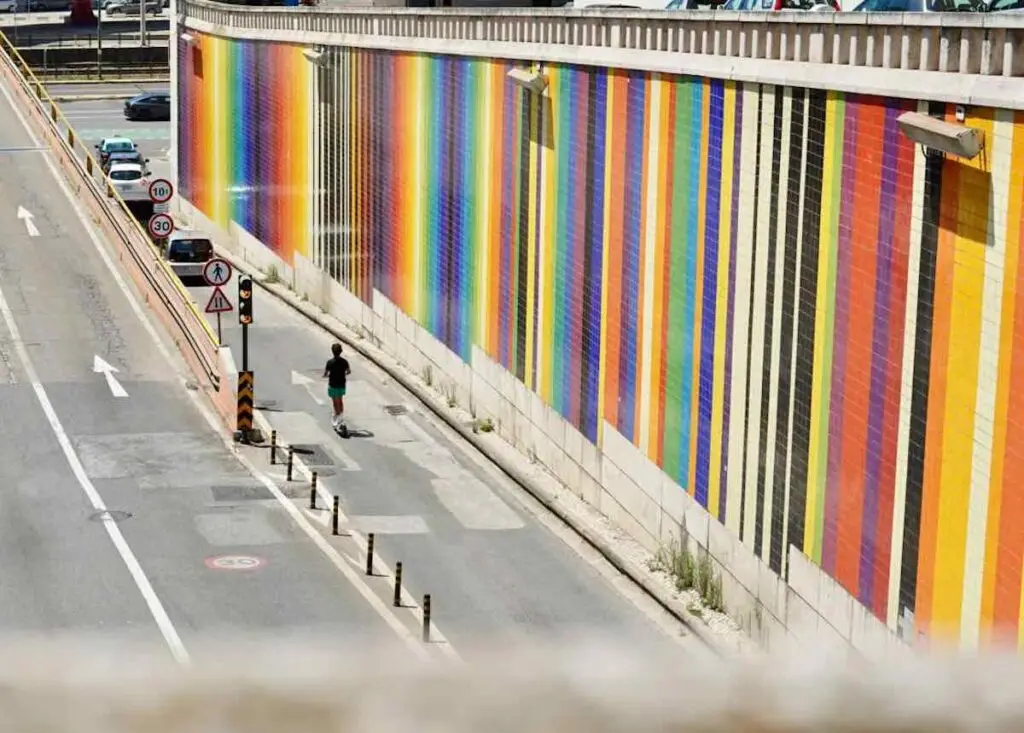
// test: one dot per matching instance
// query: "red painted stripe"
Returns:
(616, 177)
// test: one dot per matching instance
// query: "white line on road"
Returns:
(156, 608)
(26, 216)
(101, 367)
(301, 380)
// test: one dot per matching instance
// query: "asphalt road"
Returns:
(94, 120)
(66, 438)
(490, 557)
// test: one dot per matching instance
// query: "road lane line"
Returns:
(149, 595)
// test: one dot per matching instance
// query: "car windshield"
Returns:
(125, 175)
(120, 146)
(191, 249)
(998, 5)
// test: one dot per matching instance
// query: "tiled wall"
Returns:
(771, 292)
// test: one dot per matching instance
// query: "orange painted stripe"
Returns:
(616, 179)
(937, 395)
(1008, 543)
(859, 338)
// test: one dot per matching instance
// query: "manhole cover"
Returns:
(396, 409)
(112, 514)
(311, 454)
(230, 494)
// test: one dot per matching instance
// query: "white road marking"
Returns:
(156, 608)
(301, 380)
(101, 367)
(26, 216)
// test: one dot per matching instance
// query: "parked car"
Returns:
(133, 157)
(920, 6)
(148, 106)
(186, 252)
(782, 5)
(117, 144)
(130, 181)
(133, 7)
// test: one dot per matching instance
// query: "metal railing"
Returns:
(987, 44)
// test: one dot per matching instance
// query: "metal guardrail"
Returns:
(987, 44)
(187, 326)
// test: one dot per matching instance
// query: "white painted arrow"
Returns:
(101, 367)
(301, 380)
(26, 216)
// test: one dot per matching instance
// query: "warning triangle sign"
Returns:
(219, 302)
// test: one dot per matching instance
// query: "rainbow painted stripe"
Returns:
(815, 329)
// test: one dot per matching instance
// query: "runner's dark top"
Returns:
(337, 371)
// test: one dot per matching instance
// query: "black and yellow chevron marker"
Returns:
(245, 402)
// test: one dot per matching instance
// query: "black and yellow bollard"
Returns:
(312, 492)
(334, 517)
(426, 617)
(397, 602)
(369, 554)
(273, 447)
(291, 458)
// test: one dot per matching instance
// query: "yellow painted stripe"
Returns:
(722, 300)
(481, 278)
(660, 243)
(607, 215)
(961, 397)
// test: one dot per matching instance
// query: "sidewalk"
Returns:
(495, 562)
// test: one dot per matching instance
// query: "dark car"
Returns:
(133, 157)
(148, 106)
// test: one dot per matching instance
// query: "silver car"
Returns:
(186, 252)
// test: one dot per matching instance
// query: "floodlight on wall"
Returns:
(313, 55)
(947, 137)
(188, 38)
(531, 79)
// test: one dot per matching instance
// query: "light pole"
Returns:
(99, 38)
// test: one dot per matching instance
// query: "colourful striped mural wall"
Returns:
(807, 322)
(245, 137)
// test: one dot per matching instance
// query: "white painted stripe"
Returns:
(156, 608)
(906, 387)
(796, 329)
(647, 393)
(984, 419)
(763, 194)
(741, 312)
(776, 345)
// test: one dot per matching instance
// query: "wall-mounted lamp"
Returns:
(531, 79)
(188, 38)
(313, 55)
(947, 137)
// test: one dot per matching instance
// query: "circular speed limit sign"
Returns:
(161, 226)
(161, 190)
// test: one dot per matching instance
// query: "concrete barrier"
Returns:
(158, 286)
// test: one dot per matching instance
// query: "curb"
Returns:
(625, 566)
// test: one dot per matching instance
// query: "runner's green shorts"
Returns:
(335, 392)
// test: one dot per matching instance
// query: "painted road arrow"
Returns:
(301, 380)
(26, 216)
(101, 367)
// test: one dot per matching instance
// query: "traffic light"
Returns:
(244, 300)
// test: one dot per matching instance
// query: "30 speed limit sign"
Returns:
(161, 226)
(160, 191)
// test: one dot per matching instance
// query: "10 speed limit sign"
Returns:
(161, 226)
(160, 191)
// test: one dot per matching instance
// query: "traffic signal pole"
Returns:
(246, 381)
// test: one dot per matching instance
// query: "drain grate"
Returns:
(113, 514)
(311, 454)
(396, 410)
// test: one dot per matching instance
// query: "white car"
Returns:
(129, 180)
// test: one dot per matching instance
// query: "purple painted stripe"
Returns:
(737, 136)
(833, 479)
(879, 353)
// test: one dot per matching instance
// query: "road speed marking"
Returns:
(234, 562)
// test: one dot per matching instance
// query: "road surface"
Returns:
(68, 440)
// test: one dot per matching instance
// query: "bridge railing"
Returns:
(975, 44)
